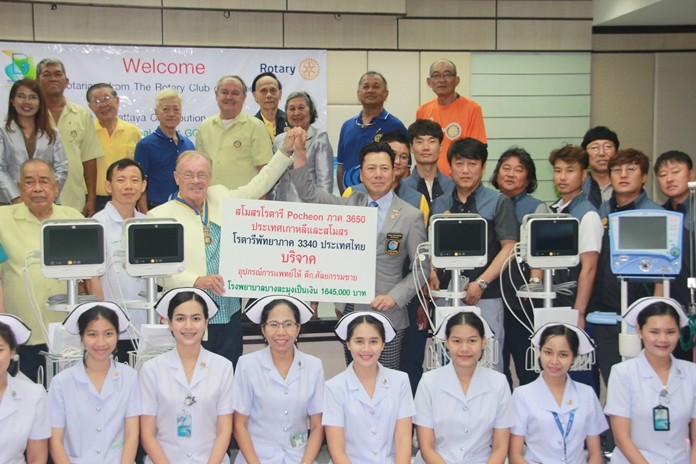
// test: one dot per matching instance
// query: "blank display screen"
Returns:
(643, 233)
(161, 243)
(554, 238)
(73, 245)
(460, 238)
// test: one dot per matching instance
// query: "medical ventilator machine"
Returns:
(74, 250)
(644, 246)
(457, 242)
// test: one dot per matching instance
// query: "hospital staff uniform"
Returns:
(369, 423)
(634, 390)
(94, 421)
(536, 411)
(186, 413)
(278, 408)
(463, 423)
(23, 417)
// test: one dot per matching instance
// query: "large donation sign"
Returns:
(312, 252)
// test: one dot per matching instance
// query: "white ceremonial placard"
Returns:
(311, 251)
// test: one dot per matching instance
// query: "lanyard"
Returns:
(564, 435)
(203, 214)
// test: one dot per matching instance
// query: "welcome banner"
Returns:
(138, 73)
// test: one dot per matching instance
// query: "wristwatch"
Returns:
(483, 284)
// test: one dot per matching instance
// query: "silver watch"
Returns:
(483, 284)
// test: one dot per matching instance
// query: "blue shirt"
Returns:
(157, 154)
(354, 135)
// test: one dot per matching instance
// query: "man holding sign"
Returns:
(198, 207)
(400, 229)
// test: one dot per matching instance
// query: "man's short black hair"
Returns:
(467, 148)
(674, 156)
(396, 136)
(422, 127)
(376, 147)
(122, 164)
(600, 133)
(265, 74)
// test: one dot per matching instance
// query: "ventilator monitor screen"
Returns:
(458, 242)
(71, 251)
(154, 249)
(646, 242)
(643, 233)
(554, 238)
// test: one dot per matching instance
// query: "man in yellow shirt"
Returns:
(78, 135)
(237, 143)
(20, 235)
(117, 137)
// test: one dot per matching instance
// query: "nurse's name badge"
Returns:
(393, 245)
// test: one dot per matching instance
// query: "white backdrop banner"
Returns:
(314, 252)
(138, 73)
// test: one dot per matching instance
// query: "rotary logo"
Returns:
(309, 69)
(21, 66)
(453, 131)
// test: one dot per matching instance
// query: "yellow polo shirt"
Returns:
(81, 144)
(121, 144)
(236, 150)
(21, 234)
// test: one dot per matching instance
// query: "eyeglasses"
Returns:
(444, 75)
(629, 168)
(31, 98)
(597, 148)
(195, 175)
(105, 99)
(275, 325)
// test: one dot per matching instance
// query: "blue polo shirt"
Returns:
(157, 155)
(354, 135)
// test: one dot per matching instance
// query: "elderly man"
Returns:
(77, 134)
(400, 229)
(157, 152)
(199, 209)
(118, 138)
(238, 144)
(267, 91)
(20, 235)
(601, 144)
(368, 126)
(459, 117)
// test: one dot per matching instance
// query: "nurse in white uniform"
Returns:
(650, 398)
(278, 389)
(187, 392)
(95, 404)
(368, 408)
(554, 415)
(24, 422)
(463, 410)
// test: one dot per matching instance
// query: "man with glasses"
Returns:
(77, 134)
(459, 117)
(601, 144)
(628, 171)
(198, 207)
(118, 138)
(238, 143)
(368, 126)
(157, 153)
